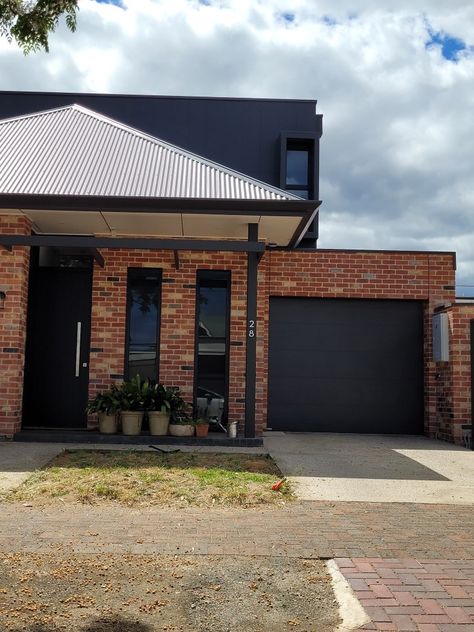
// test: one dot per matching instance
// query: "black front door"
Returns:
(57, 346)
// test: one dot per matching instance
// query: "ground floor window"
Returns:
(143, 323)
(212, 343)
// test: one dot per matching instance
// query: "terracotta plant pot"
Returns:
(131, 422)
(159, 422)
(202, 430)
(107, 423)
(181, 430)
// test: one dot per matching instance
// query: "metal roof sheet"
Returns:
(76, 151)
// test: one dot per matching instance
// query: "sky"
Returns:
(394, 82)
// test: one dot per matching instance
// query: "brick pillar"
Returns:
(461, 315)
(438, 375)
(14, 268)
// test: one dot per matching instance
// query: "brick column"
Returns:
(14, 268)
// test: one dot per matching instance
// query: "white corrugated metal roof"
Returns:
(75, 151)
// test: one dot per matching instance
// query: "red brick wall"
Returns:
(348, 274)
(454, 381)
(417, 276)
(14, 268)
(178, 305)
(373, 275)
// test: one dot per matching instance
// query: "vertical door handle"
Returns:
(78, 347)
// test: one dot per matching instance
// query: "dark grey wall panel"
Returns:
(243, 134)
(346, 365)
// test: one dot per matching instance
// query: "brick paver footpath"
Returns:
(411, 565)
(409, 594)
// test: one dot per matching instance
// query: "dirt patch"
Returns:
(136, 593)
(137, 478)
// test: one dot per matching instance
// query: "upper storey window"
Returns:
(299, 165)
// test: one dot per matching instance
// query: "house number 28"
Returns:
(251, 329)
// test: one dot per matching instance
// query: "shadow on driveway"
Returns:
(374, 467)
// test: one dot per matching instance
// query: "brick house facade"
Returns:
(426, 277)
(281, 271)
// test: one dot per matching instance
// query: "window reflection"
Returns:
(143, 323)
(299, 167)
(297, 163)
(212, 309)
(212, 327)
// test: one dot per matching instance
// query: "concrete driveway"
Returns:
(374, 468)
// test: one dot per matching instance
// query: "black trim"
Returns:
(120, 204)
(251, 336)
(210, 275)
(84, 241)
(88, 436)
(377, 250)
(137, 273)
(160, 97)
(176, 259)
(310, 141)
(303, 227)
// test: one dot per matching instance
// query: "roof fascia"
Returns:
(289, 208)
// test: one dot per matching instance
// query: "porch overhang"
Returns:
(280, 222)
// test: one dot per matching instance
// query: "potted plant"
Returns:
(132, 396)
(158, 409)
(202, 427)
(106, 405)
(181, 425)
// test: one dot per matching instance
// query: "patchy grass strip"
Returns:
(136, 478)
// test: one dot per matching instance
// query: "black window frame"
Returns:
(142, 272)
(307, 146)
(213, 275)
(302, 140)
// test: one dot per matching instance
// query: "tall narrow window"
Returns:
(212, 334)
(299, 157)
(143, 317)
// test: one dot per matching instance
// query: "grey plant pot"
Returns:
(131, 421)
(159, 422)
(107, 423)
(181, 430)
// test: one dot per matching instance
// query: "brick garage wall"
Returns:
(374, 275)
(454, 377)
(178, 309)
(14, 267)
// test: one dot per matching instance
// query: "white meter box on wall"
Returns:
(441, 338)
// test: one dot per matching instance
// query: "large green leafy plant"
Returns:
(135, 393)
(107, 402)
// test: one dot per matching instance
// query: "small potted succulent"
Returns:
(202, 427)
(132, 396)
(158, 408)
(106, 405)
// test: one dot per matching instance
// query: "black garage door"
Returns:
(339, 365)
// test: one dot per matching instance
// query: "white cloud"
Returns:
(396, 154)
